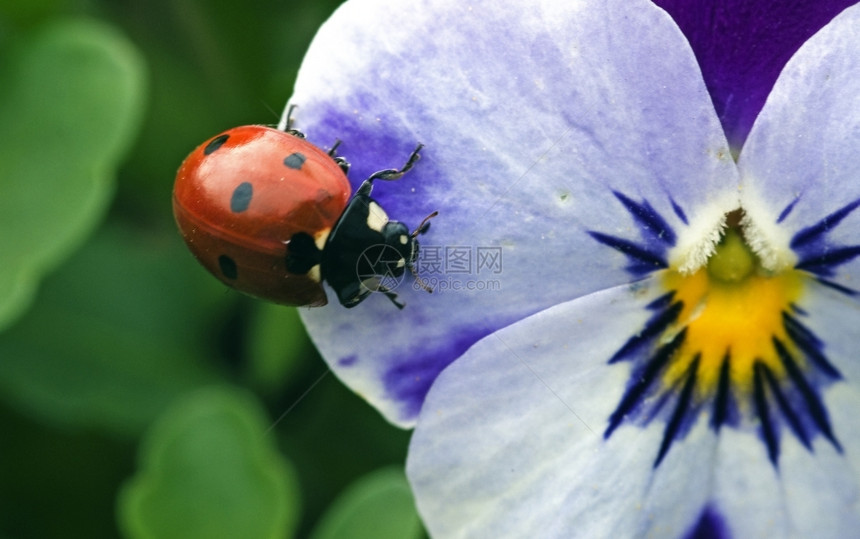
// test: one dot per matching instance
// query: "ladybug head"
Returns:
(381, 265)
(367, 252)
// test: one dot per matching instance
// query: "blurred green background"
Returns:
(138, 396)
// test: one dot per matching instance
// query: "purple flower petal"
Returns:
(742, 46)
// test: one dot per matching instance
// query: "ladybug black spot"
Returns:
(228, 267)
(215, 143)
(241, 197)
(295, 160)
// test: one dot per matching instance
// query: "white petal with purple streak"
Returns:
(534, 115)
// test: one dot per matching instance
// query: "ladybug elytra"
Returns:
(270, 214)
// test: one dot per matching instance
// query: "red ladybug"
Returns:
(269, 214)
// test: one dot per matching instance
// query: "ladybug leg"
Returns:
(392, 296)
(375, 285)
(365, 188)
(396, 174)
(343, 164)
(288, 123)
(341, 161)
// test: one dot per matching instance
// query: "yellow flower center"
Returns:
(732, 308)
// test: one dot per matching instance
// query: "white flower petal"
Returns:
(510, 441)
(834, 317)
(532, 115)
(746, 487)
(810, 494)
(822, 487)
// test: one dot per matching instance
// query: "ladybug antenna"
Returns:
(287, 126)
(395, 174)
(425, 225)
(421, 229)
(421, 282)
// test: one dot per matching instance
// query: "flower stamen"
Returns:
(727, 339)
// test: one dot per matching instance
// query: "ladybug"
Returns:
(270, 214)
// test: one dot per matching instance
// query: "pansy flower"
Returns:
(636, 328)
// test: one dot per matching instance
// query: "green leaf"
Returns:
(377, 506)
(208, 469)
(116, 336)
(71, 100)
